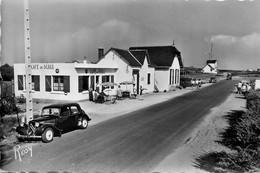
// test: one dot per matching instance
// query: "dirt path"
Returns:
(202, 140)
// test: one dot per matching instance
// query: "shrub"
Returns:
(243, 137)
(253, 101)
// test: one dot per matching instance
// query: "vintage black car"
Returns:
(54, 120)
(212, 80)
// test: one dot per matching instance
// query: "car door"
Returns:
(63, 121)
(74, 115)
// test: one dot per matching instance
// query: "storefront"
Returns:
(62, 81)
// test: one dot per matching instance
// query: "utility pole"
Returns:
(211, 49)
(1, 48)
(27, 51)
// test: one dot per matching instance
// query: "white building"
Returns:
(149, 68)
(211, 67)
(62, 81)
(167, 62)
(130, 69)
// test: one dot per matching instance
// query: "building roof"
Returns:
(161, 56)
(127, 55)
(140, 56)
(211, 61)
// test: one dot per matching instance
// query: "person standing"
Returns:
(239, 86)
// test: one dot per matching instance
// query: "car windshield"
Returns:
(50, 111)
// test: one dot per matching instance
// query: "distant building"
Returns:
(211, 67)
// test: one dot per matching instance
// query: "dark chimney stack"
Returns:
(100, 53)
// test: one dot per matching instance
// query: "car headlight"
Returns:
(37, 124)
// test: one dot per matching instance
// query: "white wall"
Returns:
(145, 69)
(124, 71)
(162, 77)
(65, 69)
(207, 69)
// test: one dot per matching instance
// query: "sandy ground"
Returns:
(200, 141)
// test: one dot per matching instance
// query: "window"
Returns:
(149, 78)
(61, 83)
(171, 76)
(74, 109)
(20, 82)
(58, 83)
(176, 75)
(35, 83)
(107, 78)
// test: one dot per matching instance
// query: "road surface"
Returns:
(137, 141)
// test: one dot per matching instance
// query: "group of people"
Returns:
(196, 83)
(243, 87)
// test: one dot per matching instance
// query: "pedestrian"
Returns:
(243, 88)
(197, 83)
(239, 85)
(141, 90)
(192, 83)
(134, 91)
(119, 92)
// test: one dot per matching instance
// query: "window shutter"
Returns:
(20, 82)
(66, 84)
(112, 80)
(48, 83)
(148, 78)
(170, 82)
(36, 83)
(80, 84)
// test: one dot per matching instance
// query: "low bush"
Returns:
(243, 137)
(253, 101)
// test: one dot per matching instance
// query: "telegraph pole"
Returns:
(211, 49)
(0, 33)
(27, 51)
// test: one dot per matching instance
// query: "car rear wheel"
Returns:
(47, 135)
(84, 123)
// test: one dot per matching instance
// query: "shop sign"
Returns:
(42, 66)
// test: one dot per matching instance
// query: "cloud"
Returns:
(249, 41)
(223, 39)
(237, 51)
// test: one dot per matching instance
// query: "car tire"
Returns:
(84, 123)
(47, 135)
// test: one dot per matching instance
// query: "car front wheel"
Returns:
(47, 135)
(84, 123)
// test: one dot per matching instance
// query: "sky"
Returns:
(67, 30)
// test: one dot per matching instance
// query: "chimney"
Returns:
(85, 60)
(173, 42)
(100, 53)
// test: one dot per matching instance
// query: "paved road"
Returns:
(137, 141)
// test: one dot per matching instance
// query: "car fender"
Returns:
(83, 116)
